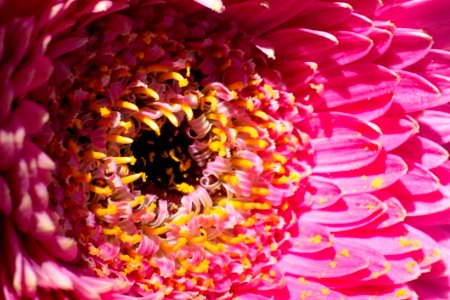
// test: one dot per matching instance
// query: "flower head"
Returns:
(209, 150)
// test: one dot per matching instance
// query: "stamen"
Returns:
(101, 212)
(262, 144)
(94, 154)
(231, 239)
(125, 160)
(221, 133)
(212, 102)
(127, 105)
(156, 68)
(182, 82)
(260, 191)
(155, 230)
(198, 239)
(106, 191)
(147, 91)
(132, 178)
(215, 248)
(262, 115)
(223, 120)
(137, 201)
(149, 122)
(249, 130)
(185, 188)
(182, 220)
(242, 163)
(170, 116)
(166, 247)
(119, 139)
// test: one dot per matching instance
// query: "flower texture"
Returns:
(236, 150)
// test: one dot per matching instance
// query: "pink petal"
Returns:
(354, 83)
(368, 109)
(407, 47)
(323, 15)
(311, 238)
(414, 93)
(12, 136)
(388, 292)
(435, 62)
(424, 152)
(309, 289)
(321, 192)
(32, 115)
(343, 153)
(381, 38)
(417, 180)
(5, 196)
(215, 5)
(61, 247)
(396, 130)
(394, 214)
(295, 42)
(426, 204)
(435, 126)
(357, 23)
(66, 45)
(380, 174)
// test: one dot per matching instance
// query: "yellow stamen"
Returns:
(281, 180)
(198, 239)
(212, 102)
(170, 116)
(101, 212)
(156, 230)
(245, 205)
(223, 120)
(173, 248)
(217, 146)
(137, 201)
(220, 133)
(260, 191)
(106, 191)
(279, 158)
(182, 220)
(262, 144)
(157, 68)
(94, 154)
(237, 86)
(149, 122)
(215, 248)
(112, 231)
(133, 177)
(182, 82)
(133, 239)
(147, 91)
(242, 163)
(232, 179)
(185, 188)
(127, 105)
(125, 160)
(232, 240)
(104, 111)
(249, 130)
(119, 139)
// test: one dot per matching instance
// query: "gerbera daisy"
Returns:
(235, 150)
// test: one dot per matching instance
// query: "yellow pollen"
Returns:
(185, 188)
(132, 178)
(218, 147)
(232, 179)
(317, 239)
(325, 291)
(182, 82)
(302, 280)
(127, 105)
(332, 264)
(377, 183)
(222, 119)
(149, 122)
(156, 230)
(262, 115)
(212, 102)
(166, 247)
(104, 111)
(253, 132)
(214, 248)
(345, 253)
(410, 266)
(188, 70)
(401, 292)
(119, 139)
(245, 205)
(125, 160)
(106, 191)
(147, 91)
(95, 155)
(405, 242)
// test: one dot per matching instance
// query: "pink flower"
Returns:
(236, 150)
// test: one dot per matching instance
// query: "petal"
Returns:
(424, 152)
(416, 181)
(321, 192)
(407, 47)
(426, 204)
(311, 238)
(354, 83)
(385, 171)
(396, 130)
(414, 93)
(435, 126)
(368, 109)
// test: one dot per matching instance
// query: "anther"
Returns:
(119, 139)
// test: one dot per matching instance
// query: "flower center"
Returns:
(177, 155)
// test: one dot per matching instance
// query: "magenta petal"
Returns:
(381, 38)
(435, 126)
(354, 83)
(309, 289)
(12, 136)
(435, 62)
(295, 42)
(403, 269)
(32, 115)
(321, 192)
(368, 109)
(344, 153)
(380, 174)
(417, 180)
(407, 47)
(426, 204)
(5, 196)
(396, 130)
(311, 238)
(323, 15)
(387, 292)
(61, 247)
(414, 93)
(423, 151)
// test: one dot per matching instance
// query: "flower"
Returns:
(236, 150)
